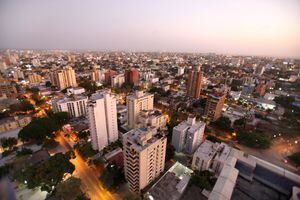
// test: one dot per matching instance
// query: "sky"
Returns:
(244, 27)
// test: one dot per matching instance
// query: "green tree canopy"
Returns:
(46, 174)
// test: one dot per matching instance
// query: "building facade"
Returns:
(188, 135)
(194, 82)
(102, 116)
(144, 157)
(34, 78)
(214, 104)
(132, 76)
(64, 78)
(117, 80)
(75, 106)
(135, 104)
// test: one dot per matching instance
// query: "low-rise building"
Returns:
(75, 105)
(153, 118)
(12, 123)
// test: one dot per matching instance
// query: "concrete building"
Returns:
(108, 74)
(211, 156)
(214, 104)
(75, 91)
(188, 135)
(11, 123)
(8, 90)
(260, 89)
(64, 78)
(171, 185)
(194, 82)
(144, 157)
(75, 106)
(34, 78)
(132, 76)
(117, 80)
(137, 102)
(153, 118)
(102, 115)
(96, 74)
(180, 71)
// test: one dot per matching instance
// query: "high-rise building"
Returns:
(260, 89)
(188, 135)
(64, 78)
(17, 74)
(34, 78)
(194, 82)
(108, 74)
(102, 115)
(180, 71)
(135, 104)
(132, 76)
(75, 106)
(144, 157)
(117, 80)
(259, 70)
(96, 74)
(214, 104)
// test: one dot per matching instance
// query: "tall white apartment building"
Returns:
(64, 78)
(135, 104)
(188, 135)
(102, 115)
(75, 106)
(144, 157)
(117, 80)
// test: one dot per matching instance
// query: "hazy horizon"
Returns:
(246, 27)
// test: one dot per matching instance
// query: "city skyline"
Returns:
(264, 28)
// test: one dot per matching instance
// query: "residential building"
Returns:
(171, 185)
(260, 89)
(211, 156)
(108, 74)
(102, 116)
(75, 105)
(75, 90)
(153, 118)
(144, 157)
(180, 71)
(96, 74)
(64, 78)
(194, 82)
(137, 102)
(117, 80)
(214, 104)
(132, 76)
(9, 90)
(11, 123)
(188, 135)
(34, 78)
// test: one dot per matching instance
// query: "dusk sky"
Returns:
(250, 27)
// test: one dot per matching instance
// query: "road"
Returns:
(89, 177)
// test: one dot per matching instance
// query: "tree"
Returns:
(48, 84)
(253, 139)
(4, 170)
(23, 106)
(239, 123)
(46, 174)
(61, 118)
(112, 176)
(38, 130)
(203, 179)
(69, 189)
(8, 142)
(170, 152)
(295, 158)
(223, 123)
(24, 151)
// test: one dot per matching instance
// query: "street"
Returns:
(90, 182)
